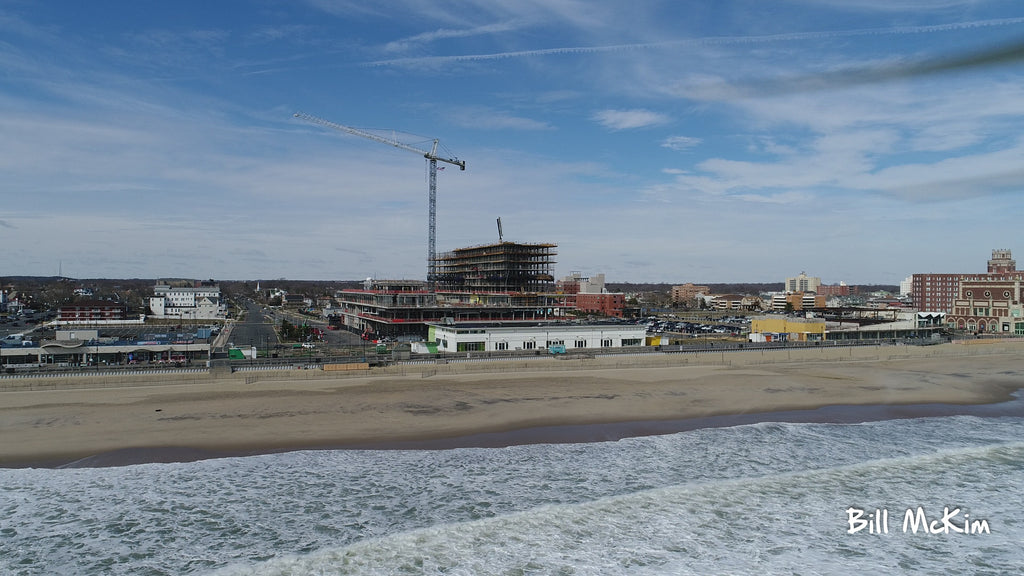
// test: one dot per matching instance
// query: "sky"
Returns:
(858, 141)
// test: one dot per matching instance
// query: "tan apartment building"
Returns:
(687, 292)
(803, 283)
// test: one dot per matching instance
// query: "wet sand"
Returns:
(533, 402)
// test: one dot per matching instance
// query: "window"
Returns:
(469, 347)
(501, 346)
(606, 343)
(581, 343)
(630, 341)
(529, 345)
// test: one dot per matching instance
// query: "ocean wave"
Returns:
(662, 504)
(770, 524)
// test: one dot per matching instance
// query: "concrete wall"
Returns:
(545, 363)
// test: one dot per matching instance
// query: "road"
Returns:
(256, 330)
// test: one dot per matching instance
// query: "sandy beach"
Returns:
(244, 413)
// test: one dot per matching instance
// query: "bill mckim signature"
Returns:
(916, 519)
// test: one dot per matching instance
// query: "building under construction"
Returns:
(501, 267)
(506, 283)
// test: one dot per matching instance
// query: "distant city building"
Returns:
(939, 292)
(935, 292)
(576, 282)
(841, 289)
(570, 284)
(735, 302)
(803, 283)
(201, 301)
(797, 301)
(605, 304)
(293, 299)
(989, 304)
(85, 311)
(687, 292)
(907, 286)
(588, 295)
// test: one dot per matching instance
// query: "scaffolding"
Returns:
(501, 267)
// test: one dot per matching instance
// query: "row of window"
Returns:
(988, 294)
(981, 311)
(532, 345)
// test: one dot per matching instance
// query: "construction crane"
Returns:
(432, 160)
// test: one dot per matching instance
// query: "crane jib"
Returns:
(432, 201)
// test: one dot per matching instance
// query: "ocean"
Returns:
(764, 498)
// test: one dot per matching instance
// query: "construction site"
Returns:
(504, 282)
(501, 267)
(507, 283)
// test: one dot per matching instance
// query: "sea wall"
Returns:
(543, 363)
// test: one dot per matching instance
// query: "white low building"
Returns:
(199, 302)
(555, 337)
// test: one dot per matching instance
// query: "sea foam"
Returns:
(764, 498)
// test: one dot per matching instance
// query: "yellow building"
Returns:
(785, 329)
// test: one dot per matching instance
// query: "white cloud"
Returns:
(445, 34)
(489, 119)
(629, 119)
(680, 142)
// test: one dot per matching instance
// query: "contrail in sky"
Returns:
(999, 56)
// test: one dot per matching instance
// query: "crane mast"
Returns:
(432, 160)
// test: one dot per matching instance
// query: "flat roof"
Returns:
(538, 324)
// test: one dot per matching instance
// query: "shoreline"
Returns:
(178, 422)
(572, 433)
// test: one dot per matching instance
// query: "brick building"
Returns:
(989, 304)
(687, 292)
(940, 292)
(935, 292)
(92, 311)
(841, 289)
(605, 304)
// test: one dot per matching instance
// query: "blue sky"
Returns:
(715, 141)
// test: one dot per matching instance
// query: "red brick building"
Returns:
(989, 304)
(92, 311)
(829, 290)
(604, 304)
(935, 292)
(939, 292)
